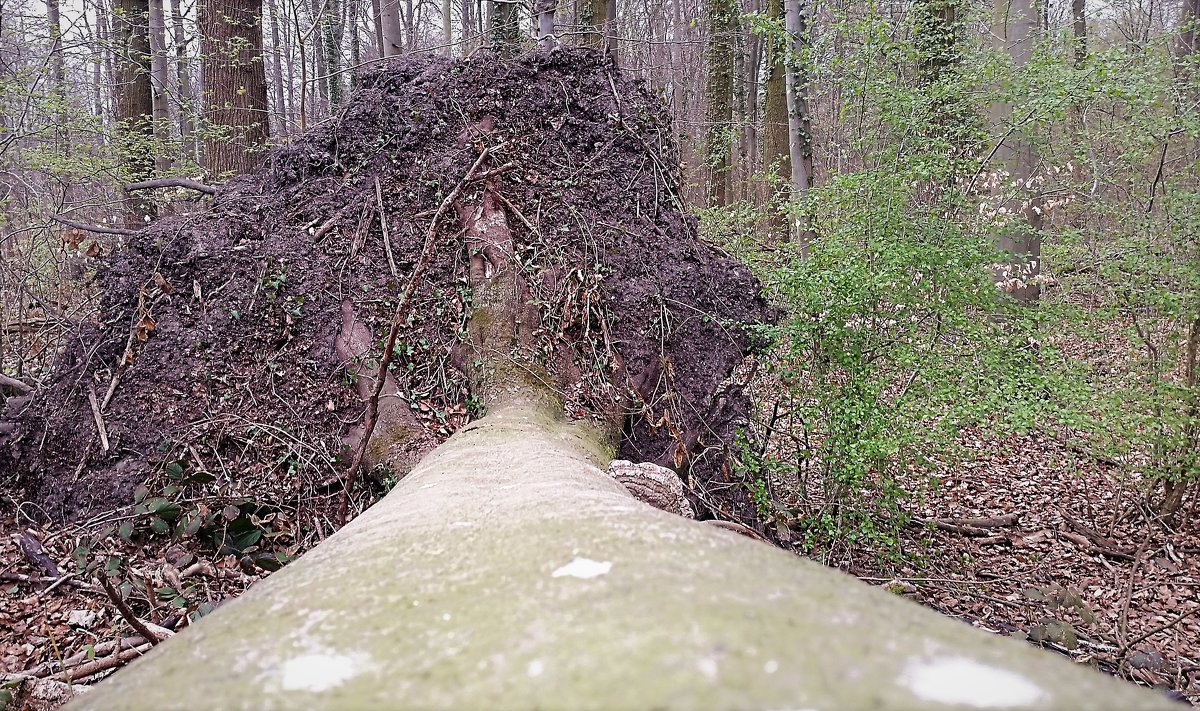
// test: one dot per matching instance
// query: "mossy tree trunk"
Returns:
(721, 17)
(776, 158)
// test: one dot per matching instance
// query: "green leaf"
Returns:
(126, 531)
(140, 493)
(160, 526)
(164, 509)
(201, 477)
(175, 471)
(192, 525)
(242, 541)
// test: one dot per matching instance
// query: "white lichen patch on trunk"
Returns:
(962, 681)
(583, 568)
(321, 671)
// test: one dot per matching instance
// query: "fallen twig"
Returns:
(13, 385)
(172, 183)
(987, 521)
(32, 549)
(1161, 628)
(93, 228)
(95, 403)
(58, 582)
(75, 674)
(949, 527)
(513, 209)
(134, 622)
(1086, 538)
(737, 528)
(397, 319)
(383, 225)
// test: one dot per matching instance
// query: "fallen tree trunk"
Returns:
(509, 571)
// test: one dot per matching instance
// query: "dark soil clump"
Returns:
(214, 348)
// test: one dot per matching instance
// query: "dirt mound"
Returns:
(215, 347)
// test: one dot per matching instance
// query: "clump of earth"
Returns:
(219, 341)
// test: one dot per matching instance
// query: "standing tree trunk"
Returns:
(331, 26)
(354, 11)
(135, 106)
(187, 107)
(721, 16)
(775, 153)
(98, 49)
(447, 30)
(1189, 18)
(320, 71)
(592, 15)
(468, 25)
(391, 32)
(750, 138)
(409, 19)
(505, 29)
(738, 173)
(545, 16)
(1079, 31)
(58, 71)
(158, 81)
(277, 79)
(610, 30)
(235, 91)
(1016, 26)
(799, 115)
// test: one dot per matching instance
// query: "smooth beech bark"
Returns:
(509, 571)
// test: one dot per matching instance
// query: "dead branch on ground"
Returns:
(173, 183)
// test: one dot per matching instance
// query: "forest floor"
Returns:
(1069, 559)
(1067, 556)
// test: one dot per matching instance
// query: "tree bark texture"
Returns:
(391, 32)
(277, 77)
(58, 72)
(333, 31)
(505, 29)
(135, 107)
(1189, 31)
(1079, 31)
(508, 570)
(799, 116)
(187, 106)
(592, 17)
(158, 80)
(544, 9)
(235, 92)
(721, 18)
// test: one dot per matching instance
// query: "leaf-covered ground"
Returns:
(1087, 569)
